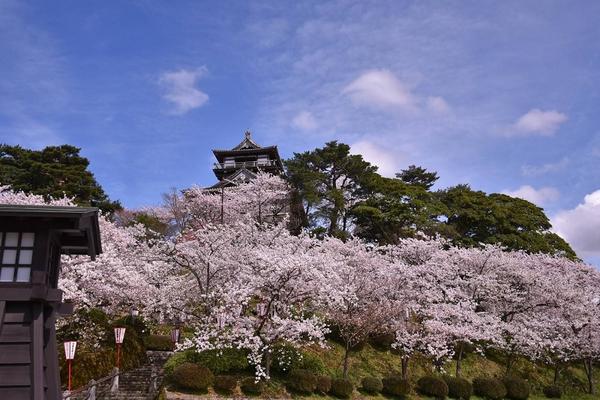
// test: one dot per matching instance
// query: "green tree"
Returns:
(55, 171)
(330, 181)
(397, 209)
(475, 217)
(418, 176)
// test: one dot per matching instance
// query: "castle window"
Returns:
(16, 256)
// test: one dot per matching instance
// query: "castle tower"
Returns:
(241, 163)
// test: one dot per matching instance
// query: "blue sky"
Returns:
(501, 95)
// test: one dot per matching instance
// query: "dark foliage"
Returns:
(341, 388)
(372, 385)
(323, 384)
(432, 386)
(218, 361)
(301, 381)
(516, 388)
(553, 392)
(287, 358)
(458, 388)
(489, 388)
(194, 377)
(158, 342)
(383, 342)
(252, 388)
(54, 171)
(225, 384)
(396, 386)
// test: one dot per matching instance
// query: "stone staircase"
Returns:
(142, 383)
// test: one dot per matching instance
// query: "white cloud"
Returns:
(180, 89)
(580, 226)
(386, 161)
(535, 170)
(538, 122)
(305, 121)
(438, 105)
(539, 196)
(379, 88)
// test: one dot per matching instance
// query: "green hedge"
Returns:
(553, 392)
(323, 384)
(218, 361)
(225, 384)
(394, 385)
(371, 385)
(516, 388)
(194, 377)
(287, 358)
(341, 388)
(301, 381)
(489, 388)
(250, 387)
(159, 343)
(458, 388)
(432, 386)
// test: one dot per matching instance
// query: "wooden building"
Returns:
(32, 238)
(241, 163)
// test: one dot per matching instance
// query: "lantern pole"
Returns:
(119, 336)
(70, 347)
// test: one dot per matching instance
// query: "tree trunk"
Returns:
(556, 372)
(346, 356)
(588, 366)
(509, 362)
(459, 356)
(405, 367)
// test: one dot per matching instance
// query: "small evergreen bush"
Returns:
(432, 386)
(194, 377)
(489, 388)
(221, 361)
(553, 392)
(371, 385)
(323, 384)
(516, 388)
(458, 388)
(252, 388)
(225, 384)
(341, 388)
(302, 381)
(394, 385)
(159, 343)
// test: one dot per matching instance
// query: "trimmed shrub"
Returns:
(222, 361)
(341, 388)
(302, 381)
(395, 386)
(176, 360)
(159, 343)
(252, 388)
(382, 342)
(553, 392)
(432, 386)
(458, 388)
(225, 384)
(516, 388)
(323, 384)
(371, 385)
(489, 388)
(192, 377)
